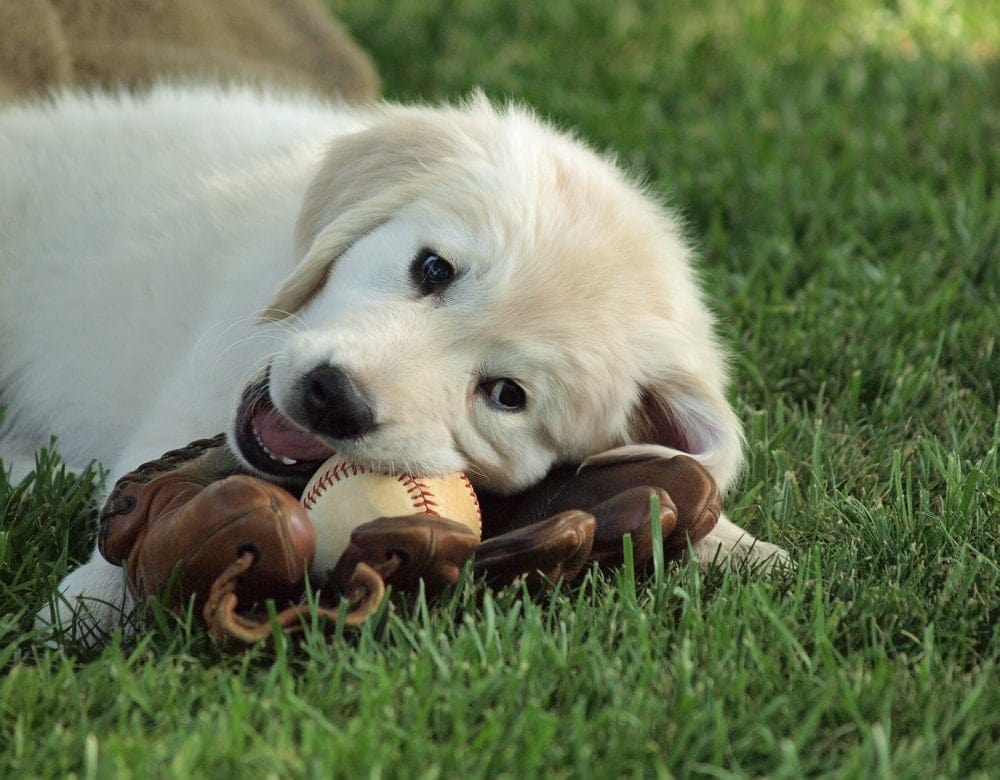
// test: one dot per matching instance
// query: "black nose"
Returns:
(335, 404)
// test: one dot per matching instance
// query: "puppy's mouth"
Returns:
(271, 441)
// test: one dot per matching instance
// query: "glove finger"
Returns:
(142, 493)
(552, 549)
(629, 513)
(126, 518)
(697, 499)
(425, 547)
(134, 505)
(209, 531)
(692, 489)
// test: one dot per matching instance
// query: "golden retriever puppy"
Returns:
(421, 288)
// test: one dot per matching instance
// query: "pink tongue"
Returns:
(285, 439)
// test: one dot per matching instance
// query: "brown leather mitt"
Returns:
(546, 551)
(408, 550)
(551, 531)
(179, 524)
(230, 544)
(616, 496)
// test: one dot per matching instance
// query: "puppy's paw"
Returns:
(766, 557)
(729, 545)
(90, 603)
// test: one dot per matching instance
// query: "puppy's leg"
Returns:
(730, 545)
(92, 601)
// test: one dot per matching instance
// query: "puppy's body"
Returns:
(463, 287)
(137, 238)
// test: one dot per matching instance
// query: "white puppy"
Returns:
(424, 289)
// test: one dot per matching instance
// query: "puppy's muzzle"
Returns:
(335, 403)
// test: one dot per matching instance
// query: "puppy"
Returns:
(422, 289)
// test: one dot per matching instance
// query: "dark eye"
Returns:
(504, 394)
(432, 272)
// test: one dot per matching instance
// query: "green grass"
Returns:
(839, 166)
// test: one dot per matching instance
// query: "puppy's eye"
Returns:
(432, 272)
(505, 394)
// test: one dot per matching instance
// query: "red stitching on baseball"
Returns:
(336, 473)
(472, 492)
(420, 493)
(417, 489)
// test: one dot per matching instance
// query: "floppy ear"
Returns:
(690, 416)
(365, 178)
(312, 271)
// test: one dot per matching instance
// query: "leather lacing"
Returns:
(226, 623)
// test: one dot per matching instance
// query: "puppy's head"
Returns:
(476, 291)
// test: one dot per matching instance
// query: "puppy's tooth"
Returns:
(288, 461)
(263, 446)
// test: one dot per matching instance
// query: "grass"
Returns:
(839, 166)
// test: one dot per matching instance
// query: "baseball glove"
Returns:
(185, 531)
(576, 517)
(189, 527)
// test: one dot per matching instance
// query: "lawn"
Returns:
(838, 164)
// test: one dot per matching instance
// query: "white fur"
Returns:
(156, 253)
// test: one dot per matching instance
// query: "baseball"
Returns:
(343, 495)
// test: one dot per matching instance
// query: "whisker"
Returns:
(474, 471)
(290, 320)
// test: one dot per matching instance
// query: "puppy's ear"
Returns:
(312, 271)
(694, 418)
(365, 178)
